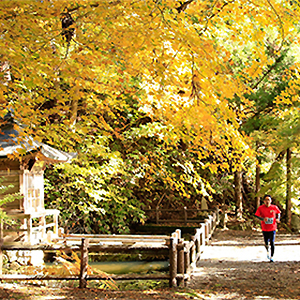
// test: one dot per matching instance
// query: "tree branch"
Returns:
(184, 5)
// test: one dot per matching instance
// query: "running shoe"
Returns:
(271, 259)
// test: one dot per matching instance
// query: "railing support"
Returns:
(84, 263)
(173, 261)
(180, 263)
(187, 257)
(183, 255)
(185, 215)
(157, 214)
(193, 253)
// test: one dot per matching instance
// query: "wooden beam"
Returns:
(173, 261)
(180, 262)
(84, 263)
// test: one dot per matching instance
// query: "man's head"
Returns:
(267, 200)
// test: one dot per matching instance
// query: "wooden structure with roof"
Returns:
(24, 175)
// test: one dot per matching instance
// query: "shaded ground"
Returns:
(234, 266)
(10, 292)
(249, 280)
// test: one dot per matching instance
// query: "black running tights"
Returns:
(269, 236)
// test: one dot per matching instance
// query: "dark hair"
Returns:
(267, 196)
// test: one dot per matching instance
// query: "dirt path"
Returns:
(235, 266)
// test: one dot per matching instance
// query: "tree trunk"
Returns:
(288, 203)
(257, 183)
(238, 194)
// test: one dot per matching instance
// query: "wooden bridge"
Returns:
(183, 255)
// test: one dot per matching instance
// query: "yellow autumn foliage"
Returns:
(180, 52)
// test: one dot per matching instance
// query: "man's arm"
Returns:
(261, 218)
(278, 218)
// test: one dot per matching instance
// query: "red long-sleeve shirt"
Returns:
(268, 212)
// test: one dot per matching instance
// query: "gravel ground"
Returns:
(235, 266)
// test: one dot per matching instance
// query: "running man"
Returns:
(267, 214)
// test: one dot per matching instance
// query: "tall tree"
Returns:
(73, 64)
(238, 194)
(288, 204)
(62, 53)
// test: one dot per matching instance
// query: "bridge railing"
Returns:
(183, 255)
(184, 215)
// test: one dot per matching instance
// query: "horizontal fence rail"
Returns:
(185, 213)
(182, 255)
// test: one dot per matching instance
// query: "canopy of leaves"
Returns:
(81, 74)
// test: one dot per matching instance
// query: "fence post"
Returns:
(214, 220)
(206, 229)
(180, 262)
(173, 261)
(185, 215)
(42, 223)
(193, 253)
(157, 215)
(84, 263)
(187, 257)
(203, 232)
(29, 228)
(217, 215)
(210, 225)
(198, 240)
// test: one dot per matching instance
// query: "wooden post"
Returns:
(49, 236)
(42, 222)
(193, 255)
(206, 229)
(187, 258)
(84, 263)
(210, 225)
(173, 261)
(38, 202)
(157, 214)
(29, 229)
(180, 262)
(203, 227)
(55, 220)
(214, 221)
(185, 215)
(198, 240)
(218, 215)
(61, 232)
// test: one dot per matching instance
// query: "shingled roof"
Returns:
(12, 143)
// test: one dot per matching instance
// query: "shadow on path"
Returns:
(236, 267)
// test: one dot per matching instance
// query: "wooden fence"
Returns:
(183, 255)
(185, 215)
